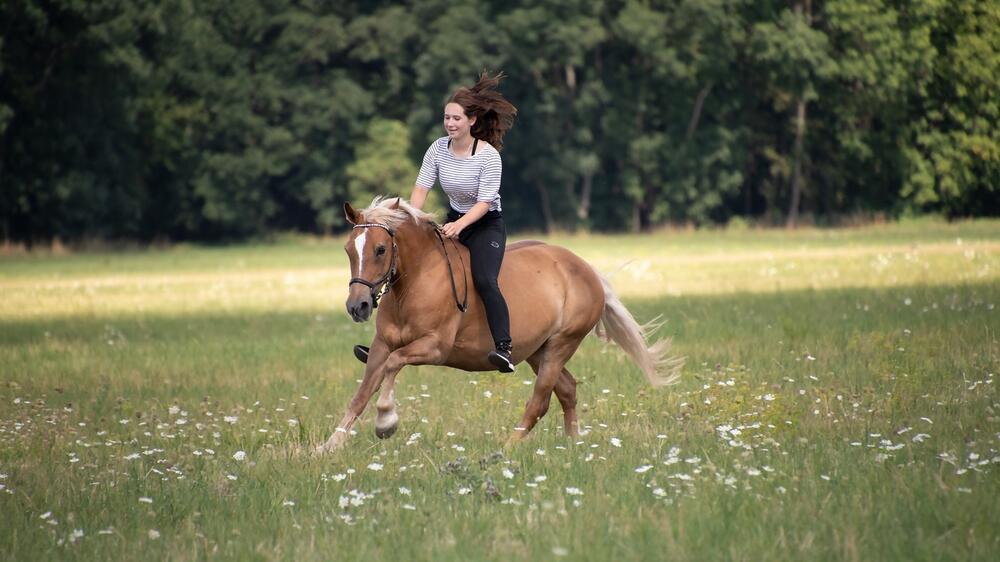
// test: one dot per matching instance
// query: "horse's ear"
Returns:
(351, 215)
(395, 204)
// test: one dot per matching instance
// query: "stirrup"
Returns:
(361, 352)
(501, 362)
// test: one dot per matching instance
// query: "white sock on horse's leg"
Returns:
(387, 419)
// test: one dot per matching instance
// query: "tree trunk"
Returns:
(696, 112)
(543, 196)
(800, 130)
(583, 208)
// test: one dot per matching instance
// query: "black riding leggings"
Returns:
(486, 239)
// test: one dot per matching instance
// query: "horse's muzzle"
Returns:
(360, 308)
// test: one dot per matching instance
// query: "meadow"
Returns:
(839, 402)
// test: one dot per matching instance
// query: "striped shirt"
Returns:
(466, 181)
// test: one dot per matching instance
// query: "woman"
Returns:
(467, 163)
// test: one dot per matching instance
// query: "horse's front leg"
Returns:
(387, 419)
(424, 351)
(383, 366)
(374, 373)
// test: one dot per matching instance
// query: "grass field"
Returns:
(839, 402)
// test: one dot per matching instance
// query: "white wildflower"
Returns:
(240, 455)
(643, 468)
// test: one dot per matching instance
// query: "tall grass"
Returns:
(839, 402)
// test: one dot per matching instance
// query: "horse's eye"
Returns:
(380, 250)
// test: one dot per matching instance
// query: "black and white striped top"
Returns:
(466, 181)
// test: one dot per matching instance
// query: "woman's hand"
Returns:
(452, 229)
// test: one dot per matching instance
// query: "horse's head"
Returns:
(371, 247)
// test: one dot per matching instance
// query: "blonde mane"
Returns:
(381, 211)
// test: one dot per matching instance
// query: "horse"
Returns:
(555, 299)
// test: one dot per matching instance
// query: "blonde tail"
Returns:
(619, 326)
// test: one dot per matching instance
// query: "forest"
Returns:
(209, 120)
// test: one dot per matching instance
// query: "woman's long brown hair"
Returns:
(494, 114)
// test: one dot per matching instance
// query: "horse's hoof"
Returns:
(361, 352)
(385, 432)
(386, 423)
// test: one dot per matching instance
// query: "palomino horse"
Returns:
(554, 297)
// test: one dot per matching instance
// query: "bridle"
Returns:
(381, 285)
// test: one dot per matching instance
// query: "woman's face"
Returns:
(456, 123)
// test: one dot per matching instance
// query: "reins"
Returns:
(464, 305)
(381, 286)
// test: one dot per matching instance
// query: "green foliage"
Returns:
(382, 164)
(213, 120)
(953, 157)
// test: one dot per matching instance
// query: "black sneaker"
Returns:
(361, 352)
(500, 358)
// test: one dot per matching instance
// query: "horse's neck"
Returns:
(416, 248)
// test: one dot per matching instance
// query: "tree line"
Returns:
(219, 120)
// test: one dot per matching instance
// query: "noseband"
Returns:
(381, 285)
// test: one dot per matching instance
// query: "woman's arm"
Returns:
(418, 196)
(452, 229)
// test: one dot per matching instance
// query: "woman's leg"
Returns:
(486, 243)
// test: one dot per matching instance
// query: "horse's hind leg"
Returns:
(548, 364)
(566, 393)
